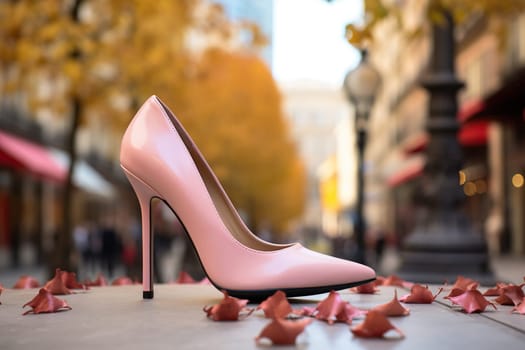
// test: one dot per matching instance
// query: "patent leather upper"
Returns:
(158, 152)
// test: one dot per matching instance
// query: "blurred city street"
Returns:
(389, 133)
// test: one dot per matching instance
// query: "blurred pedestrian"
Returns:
(111, 247)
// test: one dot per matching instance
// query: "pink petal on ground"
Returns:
(465, 283)
(26, 282)
(510, 295)
(367, 288)
(419, 295)
(335, 309)
(283, 332)
(375, 325)
(70, 280)
(521, 307)
(184, 278)
(276, 306)
(471, 301)
(56, 285)
(392, 308)
(45, 302)
(229, 309)
(122, 281)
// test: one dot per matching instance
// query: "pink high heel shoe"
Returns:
(161, 161)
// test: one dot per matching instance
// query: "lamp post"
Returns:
(443, 243)
(360, 86)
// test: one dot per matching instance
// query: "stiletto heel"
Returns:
(161, 160)
(145, 195)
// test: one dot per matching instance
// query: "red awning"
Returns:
(21, 154)
(474, 133)
(411, 169)
(470, 134)
(505, 104)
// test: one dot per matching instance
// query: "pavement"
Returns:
(116, 317)
(506, 268)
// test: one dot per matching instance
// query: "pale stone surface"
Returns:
(118, 318)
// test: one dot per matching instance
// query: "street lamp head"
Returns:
(361, 85)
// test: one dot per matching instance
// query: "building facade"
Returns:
(490, 116)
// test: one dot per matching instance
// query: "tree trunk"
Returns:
(65, 249)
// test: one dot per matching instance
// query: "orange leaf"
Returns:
(392, 308)
(276, 306)
(45, 302)
(375, 325)
(283, 332)
(471, 301)
(229, 309)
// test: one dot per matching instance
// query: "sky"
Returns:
(309, 42)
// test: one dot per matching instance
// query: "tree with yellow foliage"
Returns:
(76, 58)
(83, 59)
(378, 10)
(233, 110)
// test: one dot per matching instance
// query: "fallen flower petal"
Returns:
(205, 281)
(70, 280)
(283, 332)
(520, 308)
(397, 281)
(45, 302)
(184, 278)
(465, 283)
(495, 291)
(99, 282)
(392, 308)
(510, 295)
(122, 281)
(56, 285)
(26, 282)
(471, 301)
(419, 295)
(375, 325)
(276, 306)
(305, 311)
(367, 288)
(455, 292)
(334, 309)
(229, 309)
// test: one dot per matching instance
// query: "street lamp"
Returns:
(361, 85)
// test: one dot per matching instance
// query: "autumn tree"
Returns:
(86, 59)
(233, 109)
(78, 58)
(376, 11)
